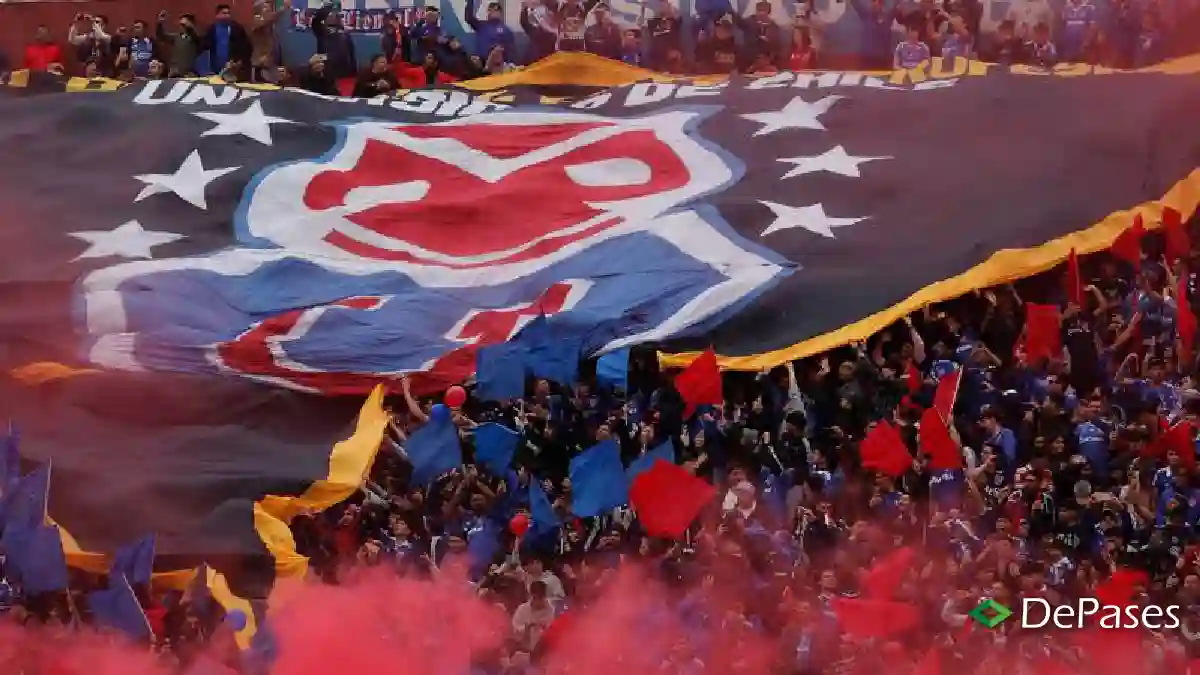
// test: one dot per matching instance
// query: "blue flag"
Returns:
(494, 447)
(540, 510)
(36, 555)
(26, 508)
(117, 607)
(613, 368)
(135, 561)
(598, 481)
(482, 546)
(665, 452)
(10, 468)
(500, 372)
(10, 461)
(434, 449)
(550, 356)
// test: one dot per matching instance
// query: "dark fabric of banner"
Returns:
(215, 258)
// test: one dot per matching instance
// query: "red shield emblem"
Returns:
(488, 190)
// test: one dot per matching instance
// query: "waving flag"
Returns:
(435, 448)
(883, 450)
(664, 452)
(542, 512)
(27, 503)
(494, 447)
(946, 395)
(35, 555)
(135, 562)
(117, 607)
(667, 499)
(598, 481)
(157, 302)
(10, 465)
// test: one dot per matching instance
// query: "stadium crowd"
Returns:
(719, 41)
(1071, 473)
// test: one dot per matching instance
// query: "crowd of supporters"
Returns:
(720, 40)
(1072, 475)
(1078, 469)
(1078, 479)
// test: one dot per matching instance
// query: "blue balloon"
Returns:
(439, 413)
(236, 619)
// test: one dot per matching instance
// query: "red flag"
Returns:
(883, 579)
(935, 441)
(1178, 438)
(667, 499)
(946, 394)
(1118, 589)
(1043, 332)
(874, 618)
(1074, 280)
(1185, 320)
(1128, 245)
(1175, 236)
(883, 450)
(700, 382)
(913, 375)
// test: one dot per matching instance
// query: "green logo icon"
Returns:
(990, 613)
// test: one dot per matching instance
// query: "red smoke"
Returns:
(626, 620)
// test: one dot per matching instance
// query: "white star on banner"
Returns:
(797, 114)
(251, 123)
(188, 182)
(129, 240)
(811, 218)
(834, 161)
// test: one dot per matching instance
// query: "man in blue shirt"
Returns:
(876, 30)
(912, 52)
(1091, 438)
(1001, 441)
(426, 34)
(225, 41)
(1078, 17)
(136, 53)
(492, 32)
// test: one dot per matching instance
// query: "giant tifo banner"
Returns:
(197, 262)
(841, 21)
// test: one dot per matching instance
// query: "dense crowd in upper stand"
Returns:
(1131, 33)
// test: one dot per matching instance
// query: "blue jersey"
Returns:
(910, 55)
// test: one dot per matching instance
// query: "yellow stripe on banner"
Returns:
(588, 70)
(83, 84)
(18, 79)
(1002, 267)
(348, 465)
(220, 591)
(42, 372)
(280, 543)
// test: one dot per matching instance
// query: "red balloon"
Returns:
(519, 524)
(455, 396)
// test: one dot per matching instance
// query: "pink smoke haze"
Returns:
(631, 625)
